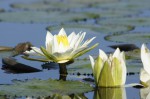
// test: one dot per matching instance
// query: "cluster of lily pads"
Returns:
(108, 71)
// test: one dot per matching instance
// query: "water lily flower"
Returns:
(61, 48)
(109, 71)
(145, 72)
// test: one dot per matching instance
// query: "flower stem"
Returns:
(62, 71)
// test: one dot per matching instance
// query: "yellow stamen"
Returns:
(62, 39)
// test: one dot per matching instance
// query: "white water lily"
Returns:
(62, 48)
(145, 72)
(109, 71)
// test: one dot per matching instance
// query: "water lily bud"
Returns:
(145, 72)
(109, 71)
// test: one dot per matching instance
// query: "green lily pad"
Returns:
(127, 5)
(82, 66)
(2, 10)
(44, 88)
(91, 28)
(134, 54)
(135, 37)
(133, 21)
(109, 13)
(133, 61)
(54, 17)
(47, 5)
(89, 1)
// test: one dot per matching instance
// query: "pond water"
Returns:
(28, 20)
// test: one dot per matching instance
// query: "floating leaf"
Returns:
(108, 13)
(127, 5)
(44, 88)
(2, 10)
(133, 21)
(91, 28)
(135, 37)
(80, 66)
(52, 17)
(6, 51)
(47, 5)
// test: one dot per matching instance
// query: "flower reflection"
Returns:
(110, 93)
(145, 93)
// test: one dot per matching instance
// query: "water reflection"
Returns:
(145, 93)
(110, 93)
(10, 65)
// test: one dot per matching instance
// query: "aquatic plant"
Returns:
(61, 49)
(109, 71)
(145, 72)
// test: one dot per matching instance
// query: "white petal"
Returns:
(75, 51)
(117, 53)
(64, 55)
(144, 76)
(31, 52)
(145, 57)
(55, 46)
(48, 43)
(92, 61)
(87, 42)
(80, 39)
(74, 40)
(62, 32)
(61, 48)
(103, 55)
(37, 50)
(124, 68)
(71, 36)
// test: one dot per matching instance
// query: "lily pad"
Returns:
(85, 2)
(47, 5)
(80, 67)
(108, 13)
(2, 10)
(135, 37)
(54, 17)
(92, 27)
(127, 5)
(133, 21)
(44, 88)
